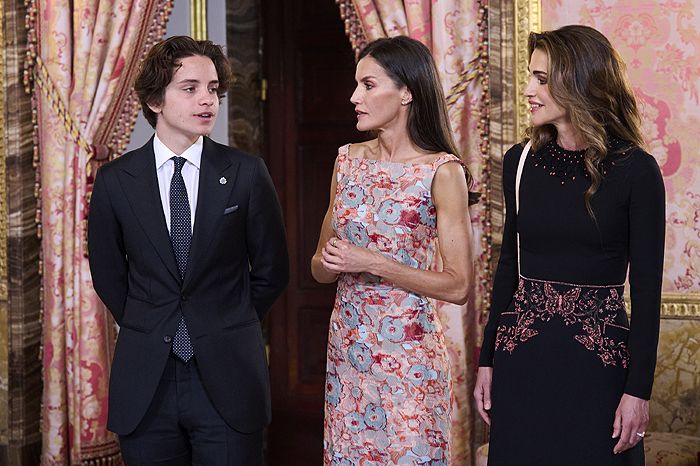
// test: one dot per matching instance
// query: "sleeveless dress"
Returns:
(558, 336)
(388, 386)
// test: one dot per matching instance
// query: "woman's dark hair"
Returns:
(586, 77)
(162, 62)
(409, 63)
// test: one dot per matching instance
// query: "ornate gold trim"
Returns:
(43, 81)
(680, 305)
(528, 17)
(676, 305)
(354, 29)
(198, 19)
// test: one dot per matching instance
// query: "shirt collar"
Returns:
(192, 154)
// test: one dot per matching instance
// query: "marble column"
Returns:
(20, 315)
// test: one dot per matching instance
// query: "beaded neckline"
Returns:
(561, 163)
(569, 164)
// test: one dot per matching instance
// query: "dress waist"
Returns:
(592, 315)
(575, 285)
(569, 299)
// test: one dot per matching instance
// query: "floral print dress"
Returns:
(388, 385)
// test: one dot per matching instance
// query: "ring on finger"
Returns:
(641, 434)
(333, 241)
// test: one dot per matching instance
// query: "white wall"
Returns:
(179, 24)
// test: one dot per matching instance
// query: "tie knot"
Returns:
(179, 163)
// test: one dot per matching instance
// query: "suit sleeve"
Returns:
(647, 223)
(267, 243)
(106, 252)
(506, 279)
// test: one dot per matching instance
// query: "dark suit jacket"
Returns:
(238, 265)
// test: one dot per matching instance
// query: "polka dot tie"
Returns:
(181, 237)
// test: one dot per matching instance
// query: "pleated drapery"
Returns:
(83, 56)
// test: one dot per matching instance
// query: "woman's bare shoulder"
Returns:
(361, 150)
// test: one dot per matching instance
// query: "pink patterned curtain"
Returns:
(83, 56)
(456, 32)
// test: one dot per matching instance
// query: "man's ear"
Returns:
(155, 106)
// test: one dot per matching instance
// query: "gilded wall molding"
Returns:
(680, 305)
(676, 305)
(528, 17)
(198, 19)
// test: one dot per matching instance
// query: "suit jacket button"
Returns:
(183, 297)
(167, 338)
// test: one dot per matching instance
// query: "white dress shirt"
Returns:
(165, 168)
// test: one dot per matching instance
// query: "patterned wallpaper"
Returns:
(675, 405)
(660, 43)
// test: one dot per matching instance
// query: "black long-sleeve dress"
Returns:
(558, 338)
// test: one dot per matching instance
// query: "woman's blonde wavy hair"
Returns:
(587, 78)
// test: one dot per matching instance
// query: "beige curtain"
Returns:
(83, 56)
(456, 32)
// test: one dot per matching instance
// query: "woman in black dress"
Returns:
(564, 379)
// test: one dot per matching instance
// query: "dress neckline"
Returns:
(559, 162)
(345, 150)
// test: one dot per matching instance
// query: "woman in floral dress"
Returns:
(388, 387)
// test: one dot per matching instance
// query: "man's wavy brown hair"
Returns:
(587, 78)
(164, 59)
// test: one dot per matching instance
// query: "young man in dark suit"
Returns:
(188, 252)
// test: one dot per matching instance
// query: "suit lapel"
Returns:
(140, 183)
(217, 177)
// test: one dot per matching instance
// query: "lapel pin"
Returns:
(222, 180)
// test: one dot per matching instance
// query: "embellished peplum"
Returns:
(597, 313)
